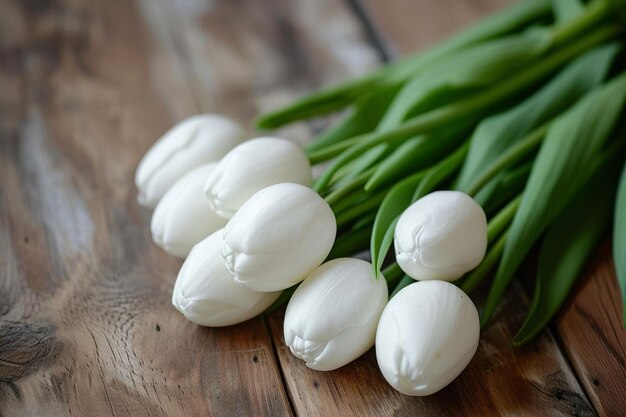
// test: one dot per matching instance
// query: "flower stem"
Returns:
(512, 156)
(472, 107)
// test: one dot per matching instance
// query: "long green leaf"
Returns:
(395, 202)
(498, 133)
(619, 238)
(464, 73)
(503, 188)
(363, 118)
(569, 242)
(337, 97)
(469, 109)
(567, 9)
(561, 167)
(418, 153)
(362, 163)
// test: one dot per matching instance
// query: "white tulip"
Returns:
(426, 336)
(207, 295)
(195, 141)
(278, 236)
(184, 217)
(252, 166)
(441, 236)
(331, 318)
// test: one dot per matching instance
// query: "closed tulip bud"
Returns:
(252, 166)
(184, 217)
(195, 141)
(207, 295)
(278, 236)
(331, 318)
(426, 336)
(441, 236)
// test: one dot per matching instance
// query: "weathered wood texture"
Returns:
(589, 329)
(87, 326)
(592, 336)
(500, 380)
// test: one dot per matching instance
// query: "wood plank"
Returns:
(591, 333)
(86, 325)
(598, 353)
(406, 26)
(500, 380)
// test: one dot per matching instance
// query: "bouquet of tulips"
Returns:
(463, 157)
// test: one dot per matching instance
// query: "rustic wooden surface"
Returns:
(86, 326)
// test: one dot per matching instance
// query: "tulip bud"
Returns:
(426, 336)
(331, 318)
(184, 217)
(207, 295)
(278, 236)
(252, 166)
(441, 236)
(195, 141)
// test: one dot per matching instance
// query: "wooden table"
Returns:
(86, 325)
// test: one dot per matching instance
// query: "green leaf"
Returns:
(363, 118)
(498, 133)
(619, 238)
(350, 243)
(469, 109)
(340, 96)
(503, 188)
(567, 9)
(362, 163)
(395, 202)
(417, 153)
(569, 242)
(464, 73)
(561, 167)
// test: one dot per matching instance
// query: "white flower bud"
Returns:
(207, 295)
(184, 217)
(195, 141)
(426, 336)
(252, 166)
(331, 318)
(278, 236)
(441, 236)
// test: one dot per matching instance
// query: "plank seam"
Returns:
(372, 34)
(279, 365)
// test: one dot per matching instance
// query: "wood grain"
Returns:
(589, 330)
(86, 324)
(591, 334)
(500, 380)
(406, 26)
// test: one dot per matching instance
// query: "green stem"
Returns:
(371, 204)
(442, 171)
(363, 222)
(511, 157)
(334, 98)
(393, 272)
(345, 189)
(499, 224)
(596, 13)
(472, 106)
(346, 202)
(477, 276)
(502, 220)
(404, 282)
(350, 243)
